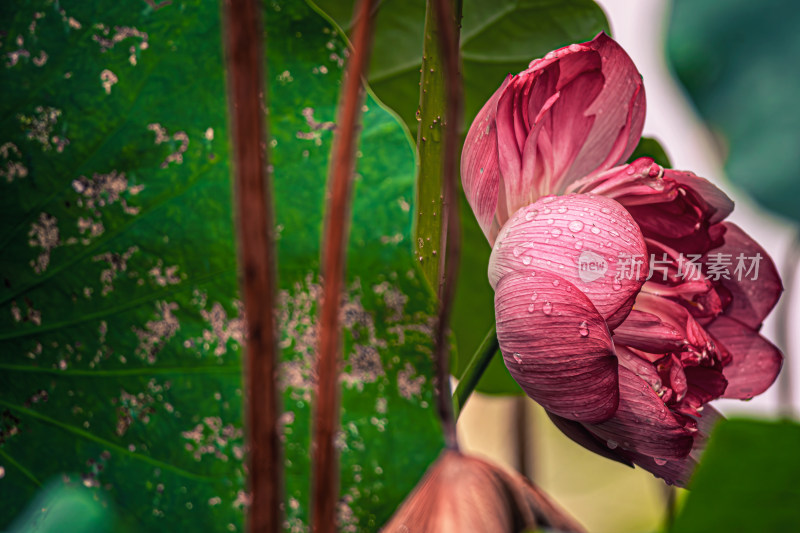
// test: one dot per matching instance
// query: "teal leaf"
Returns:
(747, 480)
(736, 60)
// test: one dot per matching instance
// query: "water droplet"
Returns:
(611, 444)
(616, 285)
(660, 462)
(531, 308)
(548, 199)
(605, 210)
(517, 358)
(555, 283)
(550, 221)
(562, 210)
(547, 308)
(530, 215)
(595, 230)
(533, 273)
(583, 329)
(613, 233)
(517, 251)
(556, 232)
(534, 296)
(575, 226)
(526, 260)
(630, 171)
(546, 211)
(578, 245)
(419, 115)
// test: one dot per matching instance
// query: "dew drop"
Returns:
(517, 357)
(605, 210)
(555, 283)
(550, 221)
(531, 308)
(630, 171)
(530, 215)
(578, 245)
(616, 285)
(534, 296)
(562, 210)
(575, 226)
(547, 308)
(517, 251)
(556, 232)
(533, 274)
(583, 329)
(613, 233)
(526, 260)
(595, 230)
(611, 444)
(660, 462)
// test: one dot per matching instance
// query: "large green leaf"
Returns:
(121, 328)
(747, 480)
(737, 61)
(497, 38)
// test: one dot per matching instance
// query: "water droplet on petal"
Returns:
(531, 308)
(595, 230)
(550, 221)
(533, 273)
(660, 462)
(526, 260)
(517, 251)
(530, 215)
(555, 283)
(556, 232)
(562, 210)
(547, 308)
(616, 285)
(613, 233)
(630, 171)
(611, 444)
(605, 210)
(534, 296)
(517, 358)
(575, 226)
(578, 245)
(583, 329)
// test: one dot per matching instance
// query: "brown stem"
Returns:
(325, 471)
(254, 218)
(450, 244)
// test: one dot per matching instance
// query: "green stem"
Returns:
(429, 198)
(475, 369)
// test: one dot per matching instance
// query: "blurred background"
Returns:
(736, 127)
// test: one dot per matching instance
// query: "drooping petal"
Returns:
(480, 174)
(755, 362)
(578, 433)
(753, 282)
(588, 240)
(556, 345)
(642, 423)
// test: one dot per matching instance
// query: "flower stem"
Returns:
(475, 369)
(325, 464)
(257, 258)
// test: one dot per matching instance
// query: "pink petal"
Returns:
(612, 109)
(556, 345)
(755, 361)
(569, 236)
(751, 299)
(715, 204)
(642, 423)
(646, 331)
(676, 472)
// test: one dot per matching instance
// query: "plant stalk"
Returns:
(257, 254)
(325, 465)
(475, 368)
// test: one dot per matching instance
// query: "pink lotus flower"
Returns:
(624, 302)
